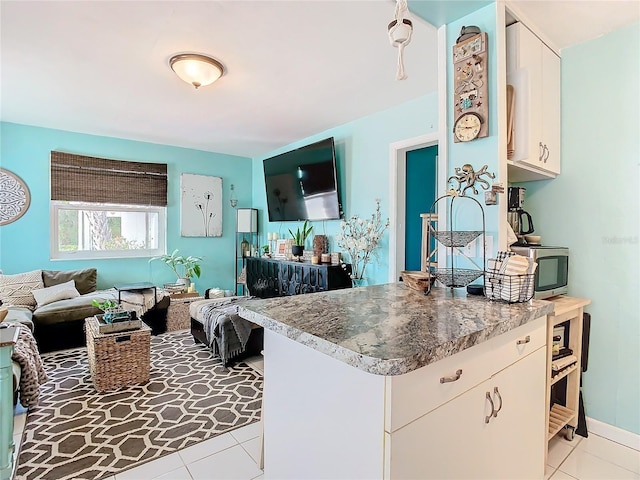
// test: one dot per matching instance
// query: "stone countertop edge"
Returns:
(397, 330)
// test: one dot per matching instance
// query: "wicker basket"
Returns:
(117, 359)
(178, 317)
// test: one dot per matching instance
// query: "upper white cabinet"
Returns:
(534, 71)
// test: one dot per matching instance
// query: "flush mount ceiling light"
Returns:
(195, 69)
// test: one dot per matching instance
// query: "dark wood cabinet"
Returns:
(267, 277)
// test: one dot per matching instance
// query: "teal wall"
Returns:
(362, 155)
(421, 193)
(593, 208)
(24, 244)
(482, 151)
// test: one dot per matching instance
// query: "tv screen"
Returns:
(302, 184)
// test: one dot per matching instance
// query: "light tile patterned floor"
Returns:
(234, 456)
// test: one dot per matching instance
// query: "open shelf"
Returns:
(564, 373)
(559, 416)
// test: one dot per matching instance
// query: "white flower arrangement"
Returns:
(360, 239)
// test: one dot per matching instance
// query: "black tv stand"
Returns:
(269, 277)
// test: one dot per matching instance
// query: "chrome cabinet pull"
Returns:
(545, 153)
(527, 339)
(488, 417)
(451, 378)
(495, 391)
(540, 151)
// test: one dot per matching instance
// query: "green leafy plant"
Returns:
(183, 267)
(106, 305)
(265, 248)
(301, 235)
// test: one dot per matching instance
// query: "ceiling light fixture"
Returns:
(195, 69)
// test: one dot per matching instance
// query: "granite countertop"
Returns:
(389, 329)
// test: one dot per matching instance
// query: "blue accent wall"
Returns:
(420, 194)
(24, 244)
(482, 151)
(362, 157)
(593, 207)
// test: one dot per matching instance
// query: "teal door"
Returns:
(420, 194)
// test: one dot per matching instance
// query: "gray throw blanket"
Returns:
(33, 375)
(227, 333)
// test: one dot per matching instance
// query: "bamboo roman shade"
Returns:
(77, 178)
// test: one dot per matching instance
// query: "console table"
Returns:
(268, 277)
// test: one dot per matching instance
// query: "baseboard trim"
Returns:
(615, 434)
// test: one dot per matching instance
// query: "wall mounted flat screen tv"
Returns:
(303, 184)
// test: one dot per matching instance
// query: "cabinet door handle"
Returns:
(488, 417)
(451, 378)
(496, 392)
(540, 151)
(545, 153)
(527, 339)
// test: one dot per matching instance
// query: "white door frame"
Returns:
(397, 195)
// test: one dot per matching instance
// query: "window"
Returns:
(92, 230)
(104, 208)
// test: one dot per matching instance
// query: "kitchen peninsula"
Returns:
(385, 382)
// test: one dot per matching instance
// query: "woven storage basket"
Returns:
(117, 359)
(178, 317)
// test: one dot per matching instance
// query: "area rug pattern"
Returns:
(78, 433)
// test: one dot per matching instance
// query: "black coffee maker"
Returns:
(520, 220)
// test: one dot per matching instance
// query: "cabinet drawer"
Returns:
(414, 394)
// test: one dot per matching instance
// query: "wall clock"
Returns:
(470, 87)
(468, 127)
(14, 197)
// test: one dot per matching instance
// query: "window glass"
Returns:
(92, 230)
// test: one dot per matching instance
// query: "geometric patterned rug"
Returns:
(78, 433)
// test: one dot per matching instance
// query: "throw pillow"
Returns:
(62, 291)
(85, 279)
(16, 289)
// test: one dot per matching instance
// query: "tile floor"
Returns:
(234, 456)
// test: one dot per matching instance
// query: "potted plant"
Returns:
(184, 267)
(112, 310)
(299, 238)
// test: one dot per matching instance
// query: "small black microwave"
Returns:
(552, 274)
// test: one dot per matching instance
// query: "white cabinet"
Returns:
(494, 430)
(326, 419)
(534, 71)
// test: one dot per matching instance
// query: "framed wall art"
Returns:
(14, 197)
(200, 206)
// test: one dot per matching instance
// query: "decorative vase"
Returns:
(359, 282)
(297, 250)
(244, 247)
(320, 245)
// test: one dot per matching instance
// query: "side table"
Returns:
(136, 287)
(8, 339)
(178, 317)
(117, 359)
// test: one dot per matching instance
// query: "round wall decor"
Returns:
(14, 197)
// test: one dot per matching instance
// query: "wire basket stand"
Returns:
(455, 240)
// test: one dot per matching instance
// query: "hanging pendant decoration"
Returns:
(400, 30)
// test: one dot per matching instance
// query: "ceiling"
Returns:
(293, 68)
